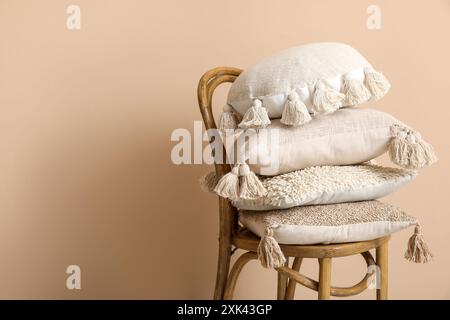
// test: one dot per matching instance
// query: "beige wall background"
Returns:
(85, 123)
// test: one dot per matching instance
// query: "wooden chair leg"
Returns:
(324, 278)
(290, 291)
(226, 225)
(235, 271)
(382, 263)
(282, 283)
(223, 266)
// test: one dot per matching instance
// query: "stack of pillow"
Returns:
(303, 170)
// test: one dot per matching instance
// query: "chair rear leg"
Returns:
(223, 267)
(226, 225)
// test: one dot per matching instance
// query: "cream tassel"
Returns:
(269, 252)
(377, 83)
(295, 112)
(256, 117)
(228, 119)
(418, 250)
(409, 150)
(355, 92)
(250, 186)
(209, 181)
(326, 99)
(228, 185)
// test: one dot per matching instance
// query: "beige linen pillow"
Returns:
(348, 136)
(316, 78)
(333, 223)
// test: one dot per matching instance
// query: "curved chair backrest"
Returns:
(206, 86)
(228, 215)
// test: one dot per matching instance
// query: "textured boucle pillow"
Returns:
(333, 223)
(328, 184)
(348, 136)
(316, 78)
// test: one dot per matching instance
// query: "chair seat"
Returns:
(246, 240)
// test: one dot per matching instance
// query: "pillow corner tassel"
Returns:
(256, 117)
(228, 185)
(377, 83)
(407, 148)
(251, 187)
(295, 112)
(326, 100)
(269, 251)
(355, 91)
(417, 250)
(228, 119)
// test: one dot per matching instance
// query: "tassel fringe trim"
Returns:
(228, 119)
(256, 117)
(228, 185)
(407, 149)
(325, 99)
(417, 250)
(240, 183)
(377, 83)
(355, 92)
(250, 186)
(295, 112)
(269, 251)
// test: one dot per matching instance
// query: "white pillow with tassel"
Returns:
(311, 79)
(348, 136)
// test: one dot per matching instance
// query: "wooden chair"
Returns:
(233, 236)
